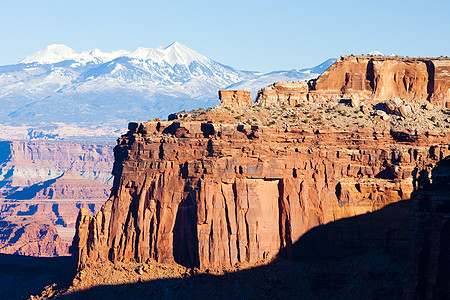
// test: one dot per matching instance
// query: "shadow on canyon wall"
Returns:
(369, 256)
(363, 257)
(31, 191)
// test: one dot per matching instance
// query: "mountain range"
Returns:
(59, 93)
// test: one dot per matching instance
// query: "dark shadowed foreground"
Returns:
(22, 276)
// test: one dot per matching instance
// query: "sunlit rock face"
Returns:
(212, 195)
(235, 98)
(284, 93)
(31, 238)
(370, 78)
(43, 184)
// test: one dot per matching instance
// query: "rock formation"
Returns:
(211, 196)
(24, 163)
(65, 187)
(48, 182)
(371, 78)
(32, 238)
(235, 98)
(307, 177)
(284, 93)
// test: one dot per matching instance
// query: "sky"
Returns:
(248, 35)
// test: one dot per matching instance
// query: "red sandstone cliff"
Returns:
(210, 195)
(370, 78)
(235, 98)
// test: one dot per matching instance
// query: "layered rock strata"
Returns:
(235, 98)
(371, 78)
(24, 163)
(46, 183)
(31, 238)
(284, 93)
(211, 196)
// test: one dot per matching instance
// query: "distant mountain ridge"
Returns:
(253, 85)
(58, 87)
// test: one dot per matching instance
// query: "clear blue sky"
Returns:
(249, 35)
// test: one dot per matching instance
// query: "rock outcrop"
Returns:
(211, 196)
(235, 98)
(31, 238)
(48, 182)
(65, 187)
(371, 78)
(24, 163)
(284, 93)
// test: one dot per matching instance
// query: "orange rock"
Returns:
(405, 79)
(31, 238)
(284, 93)
(203, 200)
(235, 98)
(346, 78)
(440, 71)
(369, 78)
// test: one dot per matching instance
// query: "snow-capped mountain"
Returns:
(93, 88)
(376, 53)
(253, 85)
(57, 53)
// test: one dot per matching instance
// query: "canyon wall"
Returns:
(31, 238)
(284, 93)
(428, 276)
(43, 184)
(24, 163)
(371, 78)
(235, 98)
(211, 196)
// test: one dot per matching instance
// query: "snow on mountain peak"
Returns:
(175, 53)
(51, 54)
(56, 53)
(97, 55)
(376, 53)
